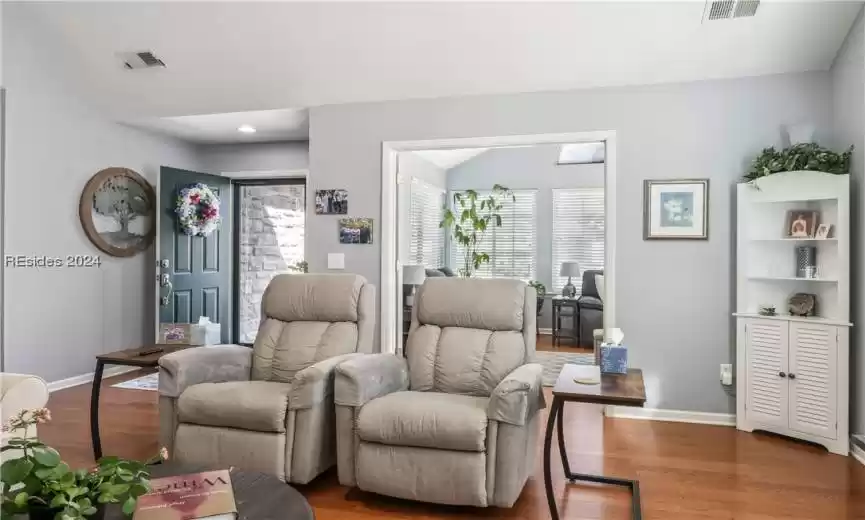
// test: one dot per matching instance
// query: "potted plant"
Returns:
(36, 482)
(541, 289)
(804, 156)
(469, 221)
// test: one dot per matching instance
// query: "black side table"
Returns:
(558, 303)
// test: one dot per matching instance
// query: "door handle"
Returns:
(782, 374)
(792, 376)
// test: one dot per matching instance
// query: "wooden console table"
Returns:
(136, 357)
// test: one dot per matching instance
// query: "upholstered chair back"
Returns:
(468, 334)
(306, 318)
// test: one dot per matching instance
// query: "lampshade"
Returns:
(413, 274)
(570, 269)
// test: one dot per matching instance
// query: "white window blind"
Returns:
(578, 232)
(427, 246)
(513, 246)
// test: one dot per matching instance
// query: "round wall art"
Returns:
(116, 211)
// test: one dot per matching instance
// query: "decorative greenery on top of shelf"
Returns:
(805, 156)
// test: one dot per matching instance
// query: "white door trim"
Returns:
(390, 339)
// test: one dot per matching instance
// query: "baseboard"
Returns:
(84, 379)
(545, 331)
(857, 453)
(655, 414)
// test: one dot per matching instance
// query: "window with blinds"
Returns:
(427, 245)
(578, 232)
(513, 246)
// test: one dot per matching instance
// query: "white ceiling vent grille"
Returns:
(141, 60)
(725, 9)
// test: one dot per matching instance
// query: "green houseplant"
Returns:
(541, 289)
(38, 483)
(804, 156)
(469, 220)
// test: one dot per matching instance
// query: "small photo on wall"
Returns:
(331, 202)
(676, 209)
(355, 231)
(801, 223)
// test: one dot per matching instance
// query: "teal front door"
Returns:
(194, 272)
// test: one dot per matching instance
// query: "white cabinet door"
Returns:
(813, 378)
(767, 372)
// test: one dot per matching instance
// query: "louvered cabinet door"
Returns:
(767, 372)
(813, 378)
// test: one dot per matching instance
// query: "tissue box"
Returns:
(614, 359)
(205, 333)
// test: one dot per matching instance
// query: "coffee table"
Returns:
(614, 389)
(144, 357)
(258, 496)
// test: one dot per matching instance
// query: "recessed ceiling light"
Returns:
(246, 129)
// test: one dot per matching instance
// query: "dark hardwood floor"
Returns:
(686, 471)
(545, 343)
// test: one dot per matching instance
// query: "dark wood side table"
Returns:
(558, 303)
(614, 389)
(144, 357)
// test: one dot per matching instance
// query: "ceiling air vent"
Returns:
(141, 60)
(725, 9)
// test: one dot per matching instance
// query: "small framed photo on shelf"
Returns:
(676, 209)
(174, 333)
(801, 223)
(824, 231)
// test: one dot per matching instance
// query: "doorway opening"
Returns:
(559, 215)
(223, 275)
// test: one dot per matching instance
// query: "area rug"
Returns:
(148, 382)
(554, 361)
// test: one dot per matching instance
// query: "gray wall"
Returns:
(57, 320)
(848, 109)
(531, 167)
(254, 157)
(674, 297)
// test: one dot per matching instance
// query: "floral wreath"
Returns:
(197, 210)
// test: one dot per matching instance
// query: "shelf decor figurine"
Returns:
(803, 304)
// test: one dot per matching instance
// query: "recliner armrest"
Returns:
(519, 396)
(365, 378)
(21, 392)
(314, 383)
(216, 364)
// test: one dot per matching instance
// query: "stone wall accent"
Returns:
(271, 240)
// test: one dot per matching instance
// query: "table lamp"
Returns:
(569, 269)
(413, 275)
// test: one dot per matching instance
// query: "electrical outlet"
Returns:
(726, 374)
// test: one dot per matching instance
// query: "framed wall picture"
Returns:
(331, 202)
(355, 231)
(676, 209)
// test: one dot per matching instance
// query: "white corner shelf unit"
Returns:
(792, 374)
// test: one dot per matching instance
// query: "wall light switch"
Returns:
(335, 261)
(726, 374)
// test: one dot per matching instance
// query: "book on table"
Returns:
(189, 497)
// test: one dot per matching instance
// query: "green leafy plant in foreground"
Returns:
(36, 479)
(805, 156)
(469, 220)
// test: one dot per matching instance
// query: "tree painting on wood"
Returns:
(122, 212)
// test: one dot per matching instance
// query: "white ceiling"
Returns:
(270, 125)
(239, 56)
(447, 159)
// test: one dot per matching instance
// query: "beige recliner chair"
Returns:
(270, 408)
(457, 420)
